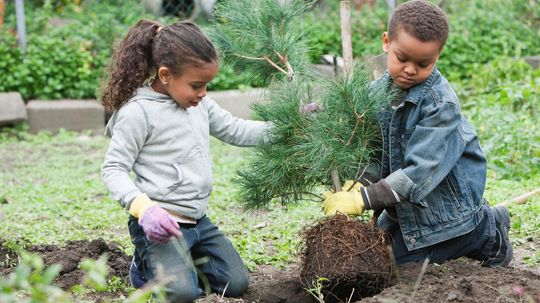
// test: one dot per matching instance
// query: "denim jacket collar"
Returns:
(416, 93)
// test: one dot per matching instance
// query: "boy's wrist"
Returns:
(380, 195)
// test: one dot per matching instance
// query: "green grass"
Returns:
(51, 192)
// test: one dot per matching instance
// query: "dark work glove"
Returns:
(379, 195)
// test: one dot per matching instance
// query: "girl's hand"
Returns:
(155, 221)
(158, 225)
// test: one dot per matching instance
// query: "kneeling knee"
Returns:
(237, 285)
(181, 293)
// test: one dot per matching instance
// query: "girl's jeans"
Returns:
(476, 244)
(220, 265)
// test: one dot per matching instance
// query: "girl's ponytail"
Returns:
(148, 46)
(131, 65)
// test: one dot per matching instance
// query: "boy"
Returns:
(433, 171)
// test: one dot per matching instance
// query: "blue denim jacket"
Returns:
(433, 159)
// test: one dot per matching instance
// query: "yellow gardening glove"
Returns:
(348, 184)
(140, 204)
(347, 202)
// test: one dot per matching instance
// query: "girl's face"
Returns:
(188, 88)
(410, 61)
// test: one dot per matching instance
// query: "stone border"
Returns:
(78, 115)
(52, 115)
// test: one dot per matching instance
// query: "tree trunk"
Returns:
(2, 5)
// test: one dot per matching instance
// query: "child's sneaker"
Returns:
(502, 248)
(136, 278)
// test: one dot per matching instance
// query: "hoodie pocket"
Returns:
(193, 177)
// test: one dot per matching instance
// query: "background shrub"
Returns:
(502, 99)
(80, 34)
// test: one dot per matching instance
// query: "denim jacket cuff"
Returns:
(401, 184)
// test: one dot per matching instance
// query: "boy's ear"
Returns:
(385, 42)
(164, 74)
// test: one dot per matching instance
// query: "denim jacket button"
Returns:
(413, 240)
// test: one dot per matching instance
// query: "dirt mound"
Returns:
(461, 280)
(352, 256)
(69, 256)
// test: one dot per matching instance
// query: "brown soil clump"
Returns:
(352, 256)
(71, 255)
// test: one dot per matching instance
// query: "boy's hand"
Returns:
(347, 202)
(348, 185)
(155, 221)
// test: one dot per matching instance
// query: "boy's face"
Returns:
(410, 61)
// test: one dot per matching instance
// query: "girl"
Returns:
(160, 131)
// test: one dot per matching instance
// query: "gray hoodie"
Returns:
(167, 148)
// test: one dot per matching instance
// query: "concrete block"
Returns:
(376, 65)
(68, 114)
(324, 70)
(12, 108)
(238, 102)
(533, 61)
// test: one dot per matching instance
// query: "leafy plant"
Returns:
(316, 290)
(35, 281)
(502, 99)
(96, 273)
(476, 37)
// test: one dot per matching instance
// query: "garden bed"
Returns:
(460, 280)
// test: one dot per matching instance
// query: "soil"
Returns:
(459, 280)
(69, 256)
(351, 254)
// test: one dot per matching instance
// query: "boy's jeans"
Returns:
(476, 244)
(223, 268)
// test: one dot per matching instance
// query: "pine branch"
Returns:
(271, 31)
(308, 149)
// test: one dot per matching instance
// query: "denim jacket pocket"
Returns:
(405, 136)
(448, 199)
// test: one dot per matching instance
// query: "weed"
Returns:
(316, 290)
(532, 260)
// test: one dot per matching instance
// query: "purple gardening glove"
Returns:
(158, 226)
(309, 108)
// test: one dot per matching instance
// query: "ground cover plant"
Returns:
(52, 201)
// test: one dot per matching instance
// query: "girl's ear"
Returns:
(385, 42)
(164, 75)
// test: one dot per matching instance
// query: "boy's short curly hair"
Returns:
(421, 19)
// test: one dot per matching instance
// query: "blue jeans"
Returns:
(220, 268)
(476, 244)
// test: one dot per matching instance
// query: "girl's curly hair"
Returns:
(148, 46)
